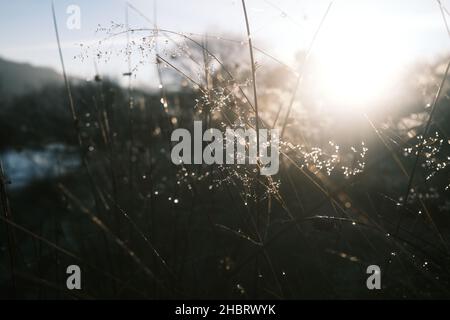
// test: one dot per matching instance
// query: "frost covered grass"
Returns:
(353, 190)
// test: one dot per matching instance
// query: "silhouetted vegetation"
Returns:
(353, 190)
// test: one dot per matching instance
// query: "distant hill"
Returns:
(18, 78)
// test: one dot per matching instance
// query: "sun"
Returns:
(358, 61)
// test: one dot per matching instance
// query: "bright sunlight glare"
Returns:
(358, 60)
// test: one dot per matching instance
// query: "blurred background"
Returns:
(91, 92)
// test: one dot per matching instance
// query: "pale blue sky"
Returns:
(414, 27)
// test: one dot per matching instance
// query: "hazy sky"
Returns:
(409, 28)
